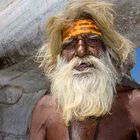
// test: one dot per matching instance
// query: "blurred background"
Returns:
(22, 83)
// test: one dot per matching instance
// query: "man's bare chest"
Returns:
(105, 128)
(114, 126)
(84, 130)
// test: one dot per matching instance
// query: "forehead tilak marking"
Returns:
(81, 26)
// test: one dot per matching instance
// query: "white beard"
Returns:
(82, 94)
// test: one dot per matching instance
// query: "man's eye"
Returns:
(93, 39)
(68, 43)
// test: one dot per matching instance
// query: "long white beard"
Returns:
(82, 94)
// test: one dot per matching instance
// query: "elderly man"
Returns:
(86, 60)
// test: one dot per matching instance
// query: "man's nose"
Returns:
(81, 49)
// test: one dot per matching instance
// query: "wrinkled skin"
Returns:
(123, 122)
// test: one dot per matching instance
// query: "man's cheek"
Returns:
(68, 54)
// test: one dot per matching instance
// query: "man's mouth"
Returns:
(83, 66)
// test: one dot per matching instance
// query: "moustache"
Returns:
(88, 62)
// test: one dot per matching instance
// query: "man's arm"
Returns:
(38, 122)
(134, 102)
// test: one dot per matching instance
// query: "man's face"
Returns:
(85, 71)
(87, 78)
(82, 39)
(86, 44)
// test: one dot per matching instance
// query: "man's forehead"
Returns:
(81, 26)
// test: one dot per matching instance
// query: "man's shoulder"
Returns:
(41, 114)
(134, 105)
(47, 101)
(43, 109)
(134, 98)
(129, 98)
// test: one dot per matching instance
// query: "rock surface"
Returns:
(21, 86)
(128, 19)
(22, 83)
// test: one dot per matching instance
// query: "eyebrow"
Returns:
(68, 41)
(94, 35)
